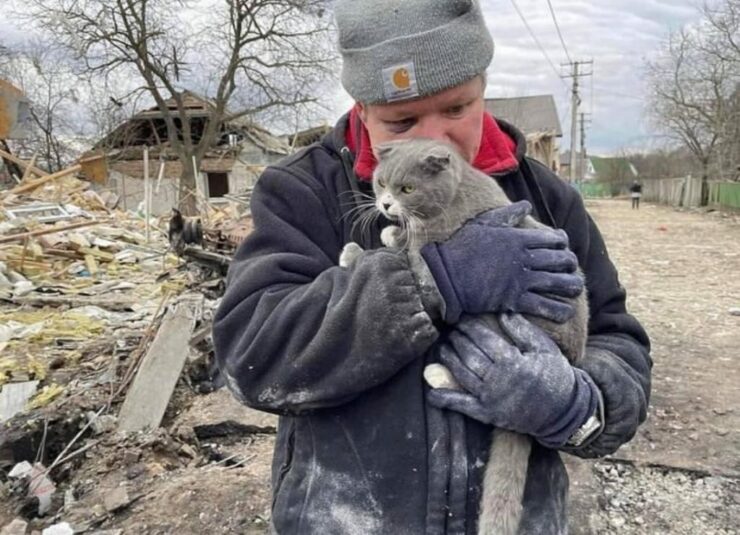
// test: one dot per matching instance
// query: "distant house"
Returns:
(231, 167)
(601, 169)
(613, 169)
(15, 112)
(537, 118)
(309, 136)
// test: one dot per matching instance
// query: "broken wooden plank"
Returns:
(150, 392)
(91, 264)
(115, 305)
(29, 168)
(97, 253)
(31, 185)
(13, 398)
(95, 167)
(63, 253)
(22, 236)
(23, 163)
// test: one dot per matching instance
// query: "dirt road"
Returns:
(680, 270)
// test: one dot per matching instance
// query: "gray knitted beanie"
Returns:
(403, 49)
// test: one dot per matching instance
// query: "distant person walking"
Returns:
(636, 194)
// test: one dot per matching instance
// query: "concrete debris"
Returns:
(150, 392)
(14, 396)
(116, 499)
(16, 527)
(63, 528)
(102, 424)
(101, 315)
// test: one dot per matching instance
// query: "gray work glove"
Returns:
(491, 266)
(527, 386)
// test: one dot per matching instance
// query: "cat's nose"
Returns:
(386, 206)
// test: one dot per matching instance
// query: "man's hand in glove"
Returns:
(528, 386)
(491, 266)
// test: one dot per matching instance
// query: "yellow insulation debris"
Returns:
(46, 396)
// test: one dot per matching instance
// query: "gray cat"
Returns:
(431, 192)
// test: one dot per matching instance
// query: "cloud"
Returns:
(618, 35)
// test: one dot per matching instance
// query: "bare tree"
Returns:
(269, 53)
(722, 41)
(722, 30)
(665, 162)
(691, 91)
(46, 78)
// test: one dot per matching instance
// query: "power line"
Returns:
(557, 27)
(620, 95)
(539, 45)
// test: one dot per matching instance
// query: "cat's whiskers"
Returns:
(368, 218)
(365, 205)
(363, 215)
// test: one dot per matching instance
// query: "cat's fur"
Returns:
(431, 192)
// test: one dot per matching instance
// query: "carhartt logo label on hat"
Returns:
(399, 82)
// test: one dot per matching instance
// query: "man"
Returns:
(363, 445)
(636, 194)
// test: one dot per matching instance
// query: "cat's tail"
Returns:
(503, 484)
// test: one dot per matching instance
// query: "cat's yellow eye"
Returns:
(408, 189)
(381, 183)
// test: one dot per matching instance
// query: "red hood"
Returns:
(497, 151)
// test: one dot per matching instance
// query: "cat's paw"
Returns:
(438, 376)
(390, 236)
(349, 254)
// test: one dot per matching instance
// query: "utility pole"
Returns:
(582, 166)
(575, 102)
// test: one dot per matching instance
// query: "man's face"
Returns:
(454, 115)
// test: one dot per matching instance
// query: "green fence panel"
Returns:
(594, 189)
(726, 194)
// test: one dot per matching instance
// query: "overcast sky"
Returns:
(616, 34)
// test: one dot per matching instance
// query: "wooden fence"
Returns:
(685, 191)
(679, 192)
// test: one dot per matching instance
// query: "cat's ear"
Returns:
(436, 161)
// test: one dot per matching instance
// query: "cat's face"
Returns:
(415, 178)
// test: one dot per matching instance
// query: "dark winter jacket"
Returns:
(339, 354)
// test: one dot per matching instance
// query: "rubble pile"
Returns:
(103, 319)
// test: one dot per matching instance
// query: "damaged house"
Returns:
(537, 118)
(230, 168)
